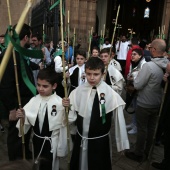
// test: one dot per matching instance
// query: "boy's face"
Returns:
(95, 53)
(80, 60)
(105, 57)
(113, 54)
(45, 88)
(93, 76)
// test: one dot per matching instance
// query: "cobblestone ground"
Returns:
(119, 162)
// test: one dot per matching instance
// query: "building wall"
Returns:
(16, 8)
(166, 16)
(101, 13)
(82, 18)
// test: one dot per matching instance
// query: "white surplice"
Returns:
(81, 100)
(57, 123)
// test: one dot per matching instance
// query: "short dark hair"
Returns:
(138, 50)
(105, 50)
(95, 63)
(49, 75)
(37, 35)
(106, 39)
(134, 41)
(2, 35)
(113, 49)
(81, 52)
(26, 30)
(96, 48)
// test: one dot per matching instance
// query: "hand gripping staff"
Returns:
(6, 59)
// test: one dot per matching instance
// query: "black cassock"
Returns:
(99, 157)
(46, 162)
(74, 78)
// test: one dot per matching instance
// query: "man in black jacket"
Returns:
(8, 94)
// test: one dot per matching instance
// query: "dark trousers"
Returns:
(166, 160)
(146, 123)
(14, 143)
(167, 149)
(123, 64)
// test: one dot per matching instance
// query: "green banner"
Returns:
(26, 52)
(25, 77)
(54, 5)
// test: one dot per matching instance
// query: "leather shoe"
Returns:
(158, 165)
(133, 156)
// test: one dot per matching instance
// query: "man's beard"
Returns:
(27, 45)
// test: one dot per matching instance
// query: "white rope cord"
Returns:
(84, 139)
(45, 139)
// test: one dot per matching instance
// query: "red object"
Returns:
(128, 59)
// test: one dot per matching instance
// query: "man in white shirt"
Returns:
(122, 49)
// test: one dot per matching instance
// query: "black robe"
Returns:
(74, 78)
(46, 162)
(98, 149)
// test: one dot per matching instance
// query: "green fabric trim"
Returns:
(163, 36)
(101, 41)
(58, 53)
(44, 37)
(2, 47)
(65, 34)
(54, 5)
(63, 10)
(103, 113)
(26, 80)
(25, 52)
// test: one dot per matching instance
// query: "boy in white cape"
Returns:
(46, 115)
(93, 106)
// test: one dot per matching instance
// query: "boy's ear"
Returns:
(54, 86)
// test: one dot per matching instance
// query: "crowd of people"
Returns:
(95, 87)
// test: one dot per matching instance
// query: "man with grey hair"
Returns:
(148, 84)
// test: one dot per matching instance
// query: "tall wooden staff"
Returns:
(160, 111)
(110, 53)
(104, 28)
(18, 28)
(65, 85)
(90, 39)
(68, 35)
(163, 32)
(159, 32)
(74, 40)
(17, 85)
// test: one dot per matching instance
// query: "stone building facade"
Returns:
(83, 15)
(16, 8)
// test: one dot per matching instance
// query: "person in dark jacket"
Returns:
(8, 94)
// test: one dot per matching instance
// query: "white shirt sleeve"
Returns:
(58, 64)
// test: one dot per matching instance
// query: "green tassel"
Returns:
(103, 113)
